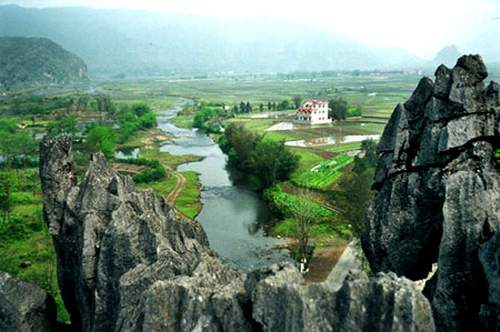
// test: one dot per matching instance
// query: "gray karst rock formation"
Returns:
(25, 307)
(437, 195)
(128, 263)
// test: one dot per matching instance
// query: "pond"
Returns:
(330, 140)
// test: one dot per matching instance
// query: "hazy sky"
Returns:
(422, 27)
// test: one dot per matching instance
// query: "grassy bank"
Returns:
(26, 249)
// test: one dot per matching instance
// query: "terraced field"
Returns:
(323, 174)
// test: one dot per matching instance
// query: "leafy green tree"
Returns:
(269, 106)
(284, 105)
(248, 107)
(101, 138)
(297, 101)
(17, 147)
(6, 184)
(354, 111)
(338, 108)
(65, 126)
(243, 107)
(357, 187)
(369, 159)
(272, 161)
(268, 160)
(261, 108)
(140, 109)
(239, 143)
(38, 110)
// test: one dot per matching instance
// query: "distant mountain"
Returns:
(448, 56)
(37, 61)
(140, 42)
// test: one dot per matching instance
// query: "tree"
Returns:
(261, 107)
(242, 107)
(269, 106)
(65, 126)
(357, 187)
(297, 100)
(239, 143)
(101, 138)
(358, 195)
(338, 108)
(6, 184)
(369, 159)
(304, 216)
(248, 107)
(284, 105)
(140, 109)
(272, 161)
(16, 146)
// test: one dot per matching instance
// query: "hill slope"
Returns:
(447, 56)
(114, 41)
(37, 61)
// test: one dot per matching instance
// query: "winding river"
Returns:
(231, 214)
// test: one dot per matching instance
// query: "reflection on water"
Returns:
(127, 153)
(330, 140)
(231, 216)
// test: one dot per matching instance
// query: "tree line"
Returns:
(251, 153)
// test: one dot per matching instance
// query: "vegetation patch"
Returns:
(188, 201)
(323, 174)
(289, 205)
(154, 171)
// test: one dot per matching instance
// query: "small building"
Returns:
(313, 112)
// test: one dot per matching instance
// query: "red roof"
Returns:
(312, 105)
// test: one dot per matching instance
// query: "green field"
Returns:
(26, 248)
(323, 174)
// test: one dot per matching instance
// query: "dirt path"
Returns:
(179, 185)
(323, 261)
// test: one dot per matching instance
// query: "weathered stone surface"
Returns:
(24, 307)
(104, 231)
(489, 255)
(127, 263)
(440, 199)
(381, 303)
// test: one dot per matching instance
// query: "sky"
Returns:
(422, 27)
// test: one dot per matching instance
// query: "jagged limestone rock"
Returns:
(104, 231)
(438, 192)
(126, 262)
(25, 307)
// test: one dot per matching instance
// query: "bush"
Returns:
(133, 118)
(354, 111)
(155, 172)
(101, 138)
(209, 119)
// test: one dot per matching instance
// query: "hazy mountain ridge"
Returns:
(447, 56)
(113, 41)
(33, 61)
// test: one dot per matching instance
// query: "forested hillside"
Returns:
(37, 61)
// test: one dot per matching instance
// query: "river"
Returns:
(231, 215)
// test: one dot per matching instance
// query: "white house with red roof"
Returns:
(313, 112)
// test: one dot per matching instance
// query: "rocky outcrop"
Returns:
(25, 307)
(438, 193)
(127, 262)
